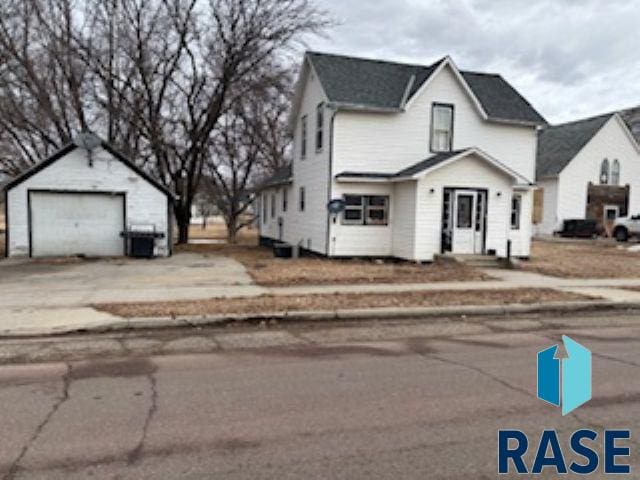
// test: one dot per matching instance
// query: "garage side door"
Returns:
(76, 224)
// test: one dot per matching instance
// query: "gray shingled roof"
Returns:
(558, 144)
(631, 117)
(406, 172)
(383, 85)
(281, 176)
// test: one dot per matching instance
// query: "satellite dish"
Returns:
(335, 206)
(89, 141)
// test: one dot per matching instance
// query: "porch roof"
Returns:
(423, 167)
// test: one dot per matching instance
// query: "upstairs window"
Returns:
(441, 127)
(301, 199)
(303, 137)
(615, 173)
(366, 210)
(604, 172)
(319, 126)
(285, 200)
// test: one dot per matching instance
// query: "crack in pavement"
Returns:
(136, 453)
(66, 382)
(479, 370)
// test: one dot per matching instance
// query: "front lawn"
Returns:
(266, 304)
(269, 271)
(583, 259)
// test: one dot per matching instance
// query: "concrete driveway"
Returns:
(28, 284)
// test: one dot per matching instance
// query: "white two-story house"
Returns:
(417, 161)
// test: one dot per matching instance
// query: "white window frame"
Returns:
(365, 208)
(449, 132)
(614, 176)
(516, 211)
(353, 208)
(319, 127)
(605, 172)
(303, 137)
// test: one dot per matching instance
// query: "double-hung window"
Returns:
(319, 126)
(301, 199)
(441, 127)
(285, 200)
(303, 137)
(366, 210)
(516, 208)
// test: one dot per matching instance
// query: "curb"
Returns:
(147, 323)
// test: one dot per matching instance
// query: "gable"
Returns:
(559, 144)
(377, 85)
(70, 149)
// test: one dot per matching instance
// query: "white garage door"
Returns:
(76, 224)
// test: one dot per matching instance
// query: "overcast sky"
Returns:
(569, 58)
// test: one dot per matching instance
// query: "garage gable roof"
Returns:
(72, 146)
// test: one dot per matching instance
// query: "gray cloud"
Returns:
(569, 58)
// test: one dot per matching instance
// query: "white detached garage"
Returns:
(81, 202)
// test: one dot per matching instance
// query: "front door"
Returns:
(609, 214)
(464, 221)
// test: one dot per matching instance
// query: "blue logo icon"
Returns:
(565, 380)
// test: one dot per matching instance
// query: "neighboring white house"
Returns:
(427, 160)
(589, 169)
(78, 202)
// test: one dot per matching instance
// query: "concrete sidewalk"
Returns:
(68, 313)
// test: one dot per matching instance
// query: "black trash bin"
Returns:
(282, 250)
(141, 244)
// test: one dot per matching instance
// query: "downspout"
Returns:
(333, 110)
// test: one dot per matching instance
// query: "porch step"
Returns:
(478, 261)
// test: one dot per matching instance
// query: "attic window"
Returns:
(441, 127)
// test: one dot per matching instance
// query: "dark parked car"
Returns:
(579, 228)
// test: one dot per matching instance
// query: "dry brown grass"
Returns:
(583, 259)
(271, 304)
(267, 270)
(219, 231)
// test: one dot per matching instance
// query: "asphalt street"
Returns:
(366, 400)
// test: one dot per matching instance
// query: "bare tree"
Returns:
(153, 76)
(250, 139)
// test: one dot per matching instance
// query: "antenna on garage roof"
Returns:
(89, 141)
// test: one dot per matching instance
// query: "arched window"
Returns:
(615, 173)
(604, 172)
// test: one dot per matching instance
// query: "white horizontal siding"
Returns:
(404, 215)
(390, 142)
(145, 204)
(521, 237)
(363, 240)
(550, 220)
(309, 228)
